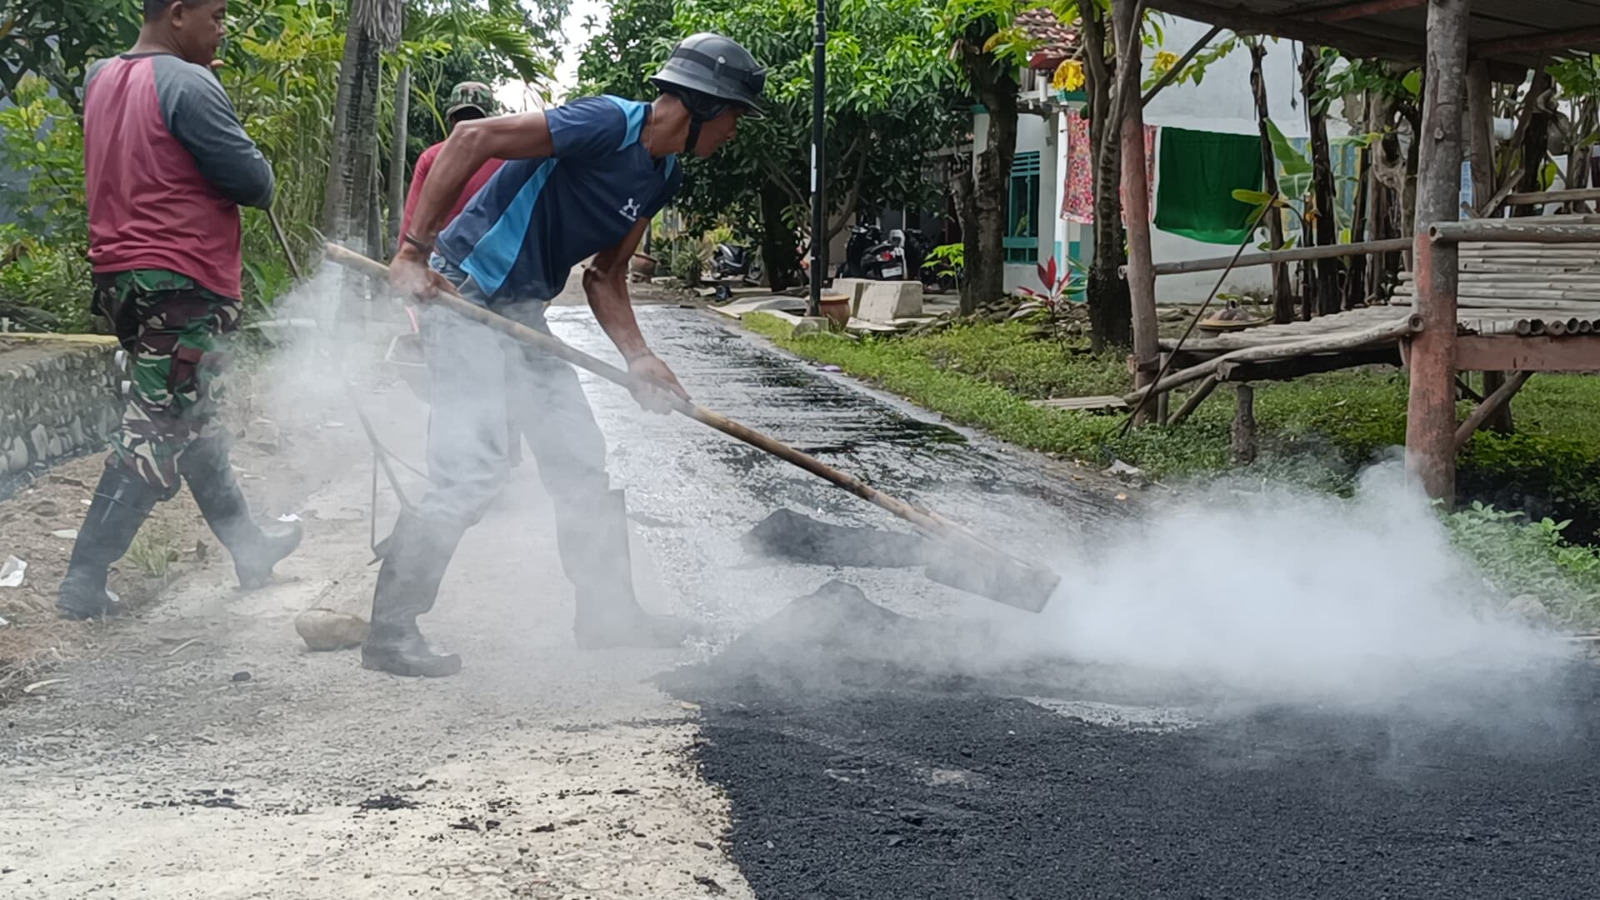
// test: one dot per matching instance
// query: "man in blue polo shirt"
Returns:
(580, 180)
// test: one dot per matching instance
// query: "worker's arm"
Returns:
(586, 129)
(606, 285)
(200, 116)
(419, 177)
(473, 143)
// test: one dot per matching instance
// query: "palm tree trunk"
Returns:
(374, 26)
(397, 154)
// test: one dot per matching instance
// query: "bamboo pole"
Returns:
(1269, 257)
(1490, 405)
(1539, 198)
(1378, 334)
(1505, 232)
(1197, 397)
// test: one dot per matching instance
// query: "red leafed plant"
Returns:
(1060, 288)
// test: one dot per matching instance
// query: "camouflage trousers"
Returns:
(170, 328)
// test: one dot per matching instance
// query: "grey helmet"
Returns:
(716, 67)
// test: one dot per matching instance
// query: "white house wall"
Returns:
(1223, 102)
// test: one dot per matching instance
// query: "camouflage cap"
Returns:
(471, 95)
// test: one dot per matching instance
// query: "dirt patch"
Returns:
(39, 522)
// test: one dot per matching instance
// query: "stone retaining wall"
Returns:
(57, 398)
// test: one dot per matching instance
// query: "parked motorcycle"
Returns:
(735, 261)
(887, 260)
(862, 239)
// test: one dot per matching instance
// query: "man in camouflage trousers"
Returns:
(169, 325)
(167, 166)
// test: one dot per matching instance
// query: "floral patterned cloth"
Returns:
(1079, 203)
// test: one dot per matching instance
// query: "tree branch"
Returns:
(854, 196)
(784, 181)
(1172, 74)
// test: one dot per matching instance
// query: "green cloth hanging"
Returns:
(1200, 170)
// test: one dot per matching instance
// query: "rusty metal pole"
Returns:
(1431, 413)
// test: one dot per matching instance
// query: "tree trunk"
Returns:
(1325, 296)
(1282, 297)
(1535, 141)
(987, 269)
(1128, 104)
(397, 154)
(1355, 284)
(777, 238)
(961, 184)
(346, 208)
(1408, 198)
(1109, 300)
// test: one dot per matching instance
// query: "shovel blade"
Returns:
(1004, 581)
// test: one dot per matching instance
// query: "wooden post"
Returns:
(1136, 194)
(1431, 413)
(1244, 425)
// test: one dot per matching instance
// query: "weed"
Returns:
(153, 551)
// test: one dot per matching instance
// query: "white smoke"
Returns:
(1280, 591)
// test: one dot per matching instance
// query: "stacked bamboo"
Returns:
(1525, 289)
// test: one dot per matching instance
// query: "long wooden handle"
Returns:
(925, 519)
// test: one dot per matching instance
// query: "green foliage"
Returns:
(41, 139)
(44, 286)
(1523, 556)
(44, 274)
(947, 260)
(1361, 76)
(986, 30)
(688, 257)
(58, 39)
(888, 94)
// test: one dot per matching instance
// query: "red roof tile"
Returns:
(1059, 39)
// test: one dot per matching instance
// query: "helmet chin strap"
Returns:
(695, 123)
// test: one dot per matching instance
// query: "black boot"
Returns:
(594, 552)
(121, 504)
(255, 548)
(414, 561)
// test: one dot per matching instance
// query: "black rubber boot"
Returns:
(255, 548)
(121, 504)
(594, 553)
(414, 561)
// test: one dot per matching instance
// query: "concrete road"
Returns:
(204, 753)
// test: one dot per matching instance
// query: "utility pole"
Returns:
(819, 130)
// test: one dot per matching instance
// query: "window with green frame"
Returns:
(1022, 211)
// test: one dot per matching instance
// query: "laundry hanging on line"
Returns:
(1078, 202)
(1199, 171)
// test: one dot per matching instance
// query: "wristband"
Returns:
(425, 248)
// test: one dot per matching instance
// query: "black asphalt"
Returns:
(861, 763)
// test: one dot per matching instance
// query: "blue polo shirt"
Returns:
(520, 236)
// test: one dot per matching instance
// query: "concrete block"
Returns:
(885, 301)
(852, 288)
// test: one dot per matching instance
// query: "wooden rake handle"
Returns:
(927, 520)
